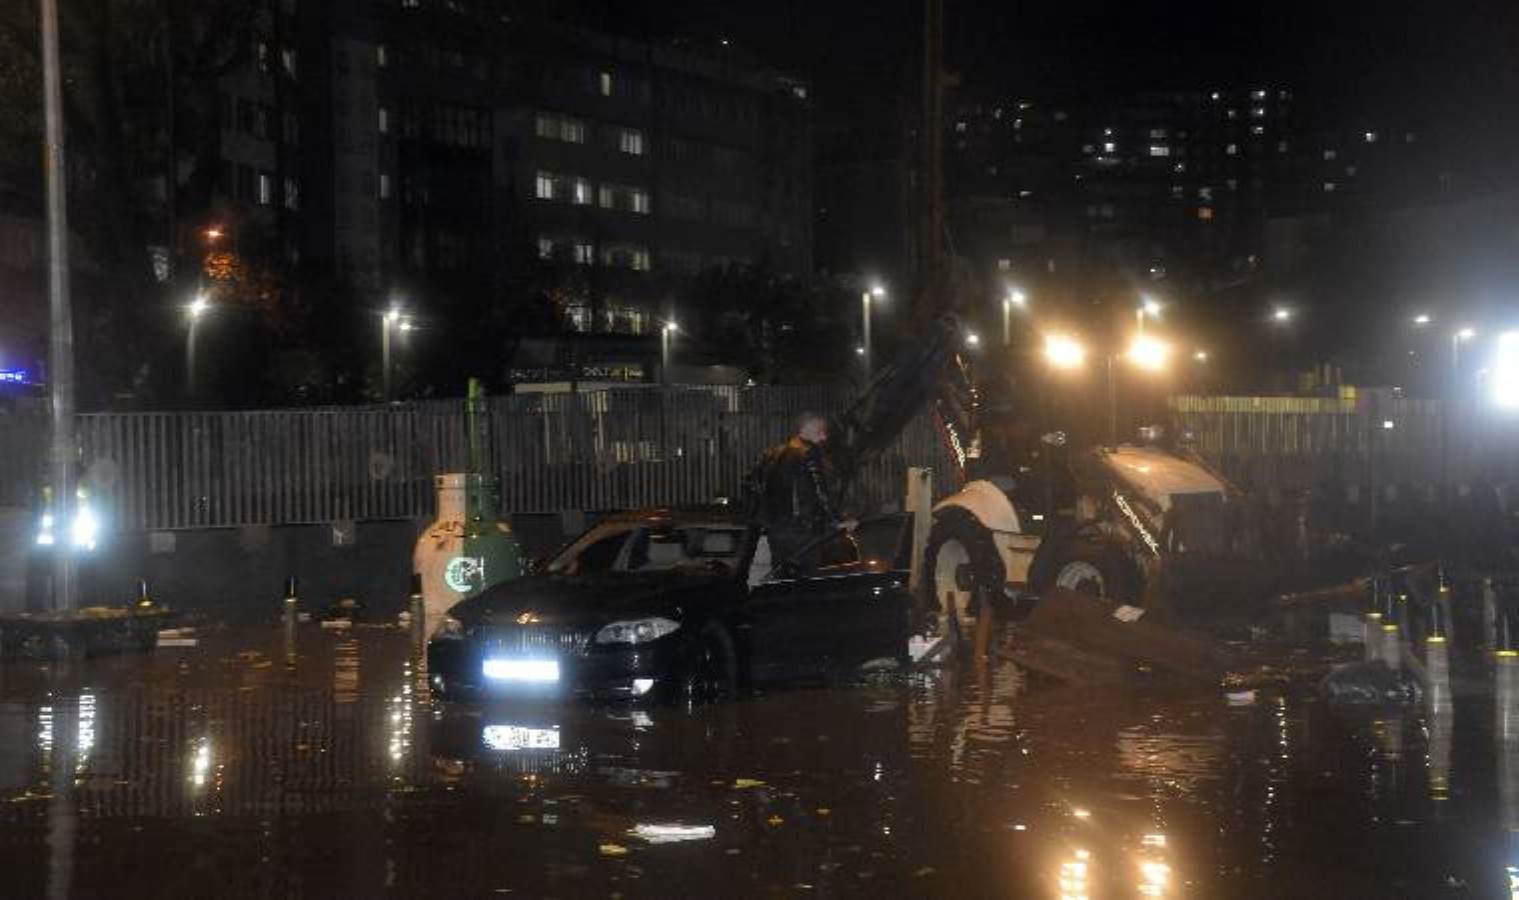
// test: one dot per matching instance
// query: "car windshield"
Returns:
(641, 547)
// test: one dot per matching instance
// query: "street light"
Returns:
(1148, 306)
(1149, 353)
(972, 339)
(1201, 356)
(387, 321)
(1503, 377)
(1422, 319)
(1012, 299)
(1281, 315)
(876, 292)
(197, 308)
(1062, 351)
(665, 336)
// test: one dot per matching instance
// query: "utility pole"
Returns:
(61, 347)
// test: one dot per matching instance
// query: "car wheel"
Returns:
(962, 563)
(1094, 570)
(713, 671)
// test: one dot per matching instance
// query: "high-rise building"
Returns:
(418, 143)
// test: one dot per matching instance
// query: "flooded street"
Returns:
(313, 763)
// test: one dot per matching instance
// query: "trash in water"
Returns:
(1371, 682)
(613, 850)
(672, 834)
(1240, 698)
(1128, 613)
(742, 783)
(177, 637)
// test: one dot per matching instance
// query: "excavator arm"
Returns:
(931, 374)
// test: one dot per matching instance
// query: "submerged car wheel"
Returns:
(1096, 571)
(961, 562)
(713, 673)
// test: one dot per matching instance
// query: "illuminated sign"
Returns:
(1133, 517)
(464, 573)
(14, 376)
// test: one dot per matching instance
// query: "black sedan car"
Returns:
(680, 603)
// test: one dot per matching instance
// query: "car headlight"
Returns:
(636, 631)
(449, 627)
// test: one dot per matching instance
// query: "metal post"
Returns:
(385, 356)
(61, 355)
(190, 355)
(1112, 402)
(865, 329)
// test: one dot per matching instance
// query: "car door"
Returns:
(828, 609)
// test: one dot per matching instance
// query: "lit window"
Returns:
(572, 131)
(545, 189)
(1017, 124)
(640, 260)
(546, 126)
(585, 254)
(1205, 213)
(384, 120)
(1371, 137)
(1025, 194)
(1330, 156)
(960, 127)
(1159, 150)
(631, 141)
(1213, 96)
(1233, 184)
(381, 56)
(606, 197)
(292, 193)
(545, 248)
(1088, 148)
(1179, 168)
(1004, 265)
(580, 194)
(604, 84)
(1328, 187)
(1257, 129)
(1233, 114)
(1109, 147)
(265, 189)
(287, 59)
(384, 187)
(1259, 112)
(1281, 146)
(1177, 192)
(1232, 149)
(639, 200)
(1351, 170)
(1257, 95)
(1205, 193)
(1157, 133)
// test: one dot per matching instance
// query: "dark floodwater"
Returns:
(253, 767)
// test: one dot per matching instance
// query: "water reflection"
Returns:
(967, 781)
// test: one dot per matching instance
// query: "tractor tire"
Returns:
(961, 560)
(1091, 568)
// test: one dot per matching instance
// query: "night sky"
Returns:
(1451, 67)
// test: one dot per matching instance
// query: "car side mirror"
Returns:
(1054, 439)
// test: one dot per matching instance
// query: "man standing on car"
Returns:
(798, 498)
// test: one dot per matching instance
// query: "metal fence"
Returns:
(598, 450)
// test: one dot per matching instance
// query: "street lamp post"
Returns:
(1013, 298)
(388, 320)
(865, 299)
(193, 312)
(1453, 402)
(666, 334)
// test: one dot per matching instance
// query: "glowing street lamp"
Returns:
(1064, 352)
(666, 335)
(1422, 319)
(1200, 356)
(193, 312)
(1149, 353)
(1503, 375)
(1281, 315)
(387, 322)
(1148, 306)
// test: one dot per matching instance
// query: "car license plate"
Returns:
(520, 737)
(536, 671)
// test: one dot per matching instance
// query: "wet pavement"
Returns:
(303, 762)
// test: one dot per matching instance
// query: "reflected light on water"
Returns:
(1074, 876)
(86, 730)
(200, 763)
(1153, 878)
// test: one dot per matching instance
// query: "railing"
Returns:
(597, 450)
